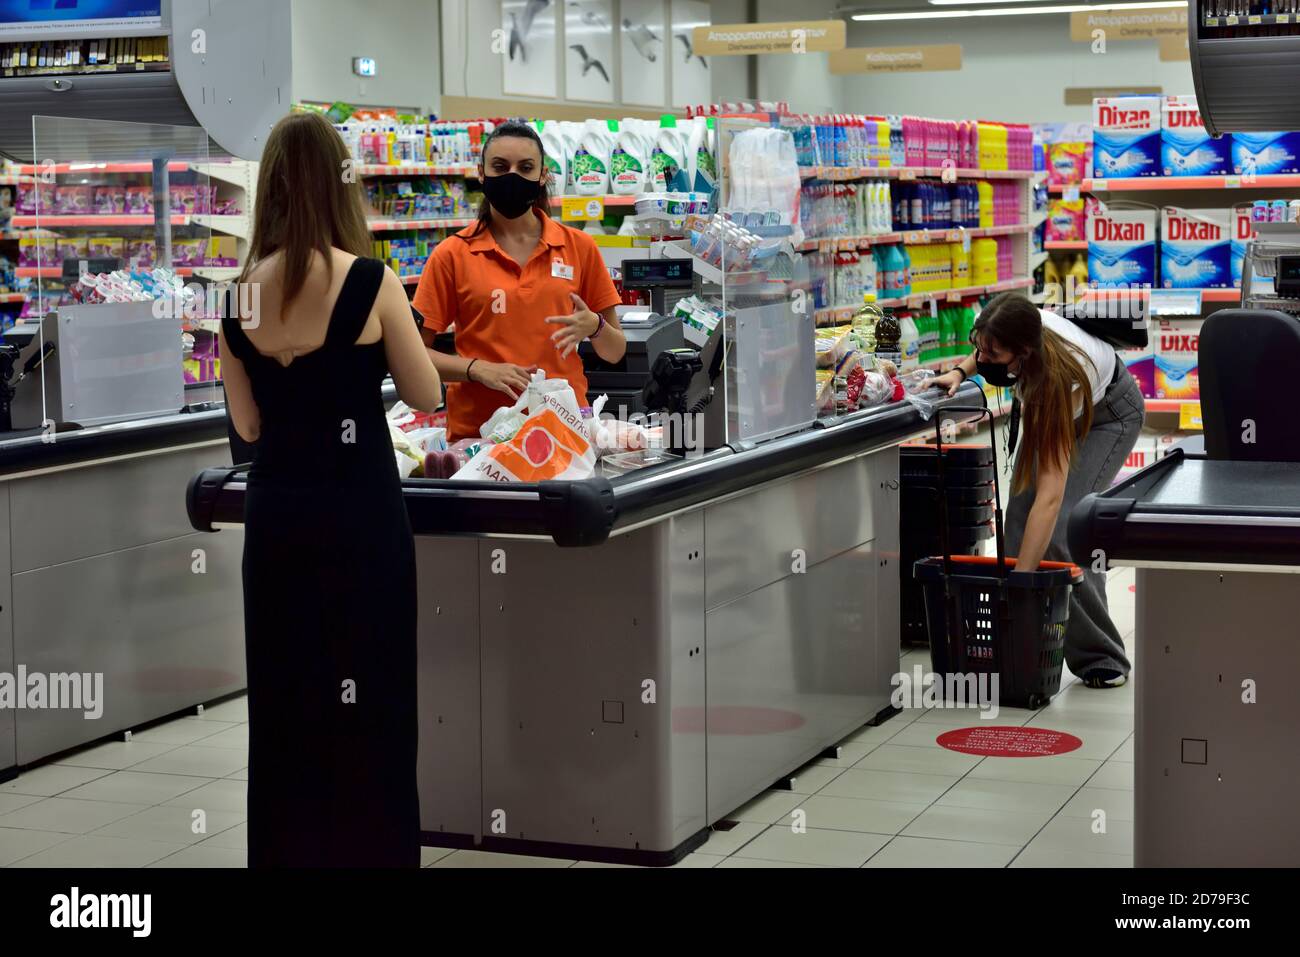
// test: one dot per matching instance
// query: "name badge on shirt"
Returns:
(561, 270)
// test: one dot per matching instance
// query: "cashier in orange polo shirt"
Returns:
(522, 290)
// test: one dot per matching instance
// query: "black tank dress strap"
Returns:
(355, 302)
(231, 325)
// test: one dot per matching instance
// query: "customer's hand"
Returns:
(502, 377)
(950, 382)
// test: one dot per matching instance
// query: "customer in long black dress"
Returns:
(329, 561)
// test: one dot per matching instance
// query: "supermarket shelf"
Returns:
(64, 169)
(410, 280)
(1263, 19)
(11, 179)
(6, 297)
(387, 225)
(236, 174)
(1144, 183)
(386, 170)
(238, 225)
(844, 313)
(1207, 295)
(1067, 245)
(30, 222)
(215, 273)
(1169, 405)
(914, 237)
(56, 272)
(907, 172)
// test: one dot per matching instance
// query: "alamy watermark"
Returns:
(58, 691)
(926, 690)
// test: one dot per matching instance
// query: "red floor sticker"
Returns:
(1002, 742)
(735, 720)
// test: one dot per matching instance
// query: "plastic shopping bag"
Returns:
(610, 436)
(552, 443)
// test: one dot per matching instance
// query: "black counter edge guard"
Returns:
(202, 495)
(1096, 523)
(68, 448)
(579, 514)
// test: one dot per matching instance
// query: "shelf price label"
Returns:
(1174, 303)
(1233, 21)
(1254, 19)
(1189, 417)
(1284, 18)
(907, 175)
(580, 209)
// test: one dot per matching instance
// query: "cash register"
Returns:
(650, 333)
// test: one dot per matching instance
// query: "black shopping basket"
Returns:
(984, 617)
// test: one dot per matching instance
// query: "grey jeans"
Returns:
(1091, 639)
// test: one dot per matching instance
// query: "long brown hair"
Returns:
(520, 130)
(1050, 371)
(307, 201)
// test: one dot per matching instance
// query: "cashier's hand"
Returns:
(950, 382)
(583, 324)
(503, 377)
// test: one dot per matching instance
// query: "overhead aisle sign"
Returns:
(747, 39)
(1129, 23)
(1174, 49)
(916, 59)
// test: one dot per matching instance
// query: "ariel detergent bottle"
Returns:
(628, 162)
(557, 157)
(591, 161)
(668, 162)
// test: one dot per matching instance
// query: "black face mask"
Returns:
(511, 195)
(996, 373)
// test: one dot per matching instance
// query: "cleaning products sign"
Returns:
(918, 59)
(745, 39)
(1195, 248)
(1125, 137)
(1129, 23)
(1121, 247)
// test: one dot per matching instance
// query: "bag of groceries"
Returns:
(551, 442)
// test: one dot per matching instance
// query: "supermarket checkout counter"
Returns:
(101, 573)
(1215, 538)
(609, 667)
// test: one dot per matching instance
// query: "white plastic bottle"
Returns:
(628, 162)
(557, 157)
(669, 159)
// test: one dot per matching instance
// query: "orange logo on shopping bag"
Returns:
(543, 449)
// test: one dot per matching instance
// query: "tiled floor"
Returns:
(893, 798)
